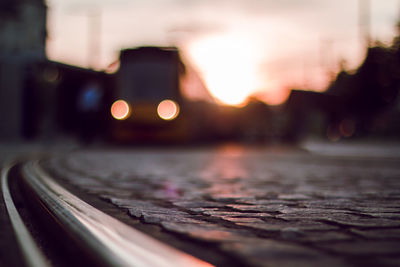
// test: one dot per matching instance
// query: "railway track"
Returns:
(56, 228)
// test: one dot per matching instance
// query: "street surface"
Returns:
(259, 206)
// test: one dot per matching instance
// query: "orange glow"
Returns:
(120, 110)
(168, 110)
(228, 65)
(273, 96)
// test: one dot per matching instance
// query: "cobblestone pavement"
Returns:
(266, 207)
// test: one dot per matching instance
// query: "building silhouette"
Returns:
(361, 103)
(22, 43)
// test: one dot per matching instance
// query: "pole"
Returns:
(94, 38)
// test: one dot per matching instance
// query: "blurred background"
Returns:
(195, 72)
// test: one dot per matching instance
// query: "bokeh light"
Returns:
(168, 110)
(120, 110)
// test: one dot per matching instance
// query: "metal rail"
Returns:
(33, 257)
(111, 241)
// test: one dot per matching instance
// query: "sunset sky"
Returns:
(238, 47)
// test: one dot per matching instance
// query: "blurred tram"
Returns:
(147, 105)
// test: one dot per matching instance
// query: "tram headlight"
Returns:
(120, 110)
(168, 110)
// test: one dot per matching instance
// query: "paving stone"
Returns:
(359, 221)
(198, 204)
(162, 215)
(260, 208)
(232, 198)
(221, 213)
(334, 204)
(236, 219)
(152, 213)
(311, 214)
(132, 203)
(203, 210)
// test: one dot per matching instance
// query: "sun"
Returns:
(228, 65)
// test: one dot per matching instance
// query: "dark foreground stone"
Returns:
(263, 207)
